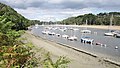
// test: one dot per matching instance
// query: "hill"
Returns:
(99, 19)
(11, 15)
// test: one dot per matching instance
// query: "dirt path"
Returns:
(78, 59)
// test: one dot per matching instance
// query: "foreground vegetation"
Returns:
(17, 52)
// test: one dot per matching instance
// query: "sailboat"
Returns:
(86, 39)
(110, 33)
(72, 38)
(36, 26)
(86, 30)
(45, 31)
(65, 36)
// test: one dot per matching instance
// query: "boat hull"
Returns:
(85, 31)
(109, 34)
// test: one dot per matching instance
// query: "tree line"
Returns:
(98, 19)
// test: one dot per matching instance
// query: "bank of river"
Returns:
(78, 59)
(94, 26)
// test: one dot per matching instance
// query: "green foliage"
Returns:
(5, 25)
(14, 34)
(99, 19)
(17, 55)
(20, 22)
(14, 51)
(60, 63)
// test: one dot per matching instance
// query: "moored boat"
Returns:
(45, 32)
(65, 36)
(72, 38)
(109, 34)
(58, 35)
(85, 31)
(51, 33)
(116, 47)
(117, 35)
(87, 40)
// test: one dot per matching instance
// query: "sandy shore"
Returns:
(94, 26)
(78, 59)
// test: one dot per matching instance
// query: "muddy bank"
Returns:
(78, 59)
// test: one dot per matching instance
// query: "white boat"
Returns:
(71, 28)
(72, 38)
(48, 27)
(36, 26)
(58, 35)
(100, 44)
(51, 33)
(116, 47)
(75, 29)
(45, 32)
(73, 33)
(110, 33)
(118, 35)
(86, 30)
(54, 28)
(65, 36)
(63, 29)
(87, 40)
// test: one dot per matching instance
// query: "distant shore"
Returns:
(101, 27)
(94, 26)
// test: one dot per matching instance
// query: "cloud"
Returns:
(60, 9)
(51, 15)
(53, 4)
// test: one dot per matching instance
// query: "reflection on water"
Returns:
(108, 51)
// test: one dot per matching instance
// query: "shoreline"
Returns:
(64, 50)
(92, 26)
(87, 53)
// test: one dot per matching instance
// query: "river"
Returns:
(107, 51)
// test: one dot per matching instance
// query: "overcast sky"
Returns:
(54, 10)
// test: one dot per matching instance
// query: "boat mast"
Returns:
(111, 21)
(86, 23)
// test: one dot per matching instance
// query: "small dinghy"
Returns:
(51, 33)
(85, 31)
(45, 32)
(65, 36)
(116, 47)
(58, 35)
(109, 34)
(72, 38)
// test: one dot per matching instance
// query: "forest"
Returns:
(92, 19)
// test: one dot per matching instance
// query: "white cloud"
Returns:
(60, 9)
(55, 1)
(51, 15)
